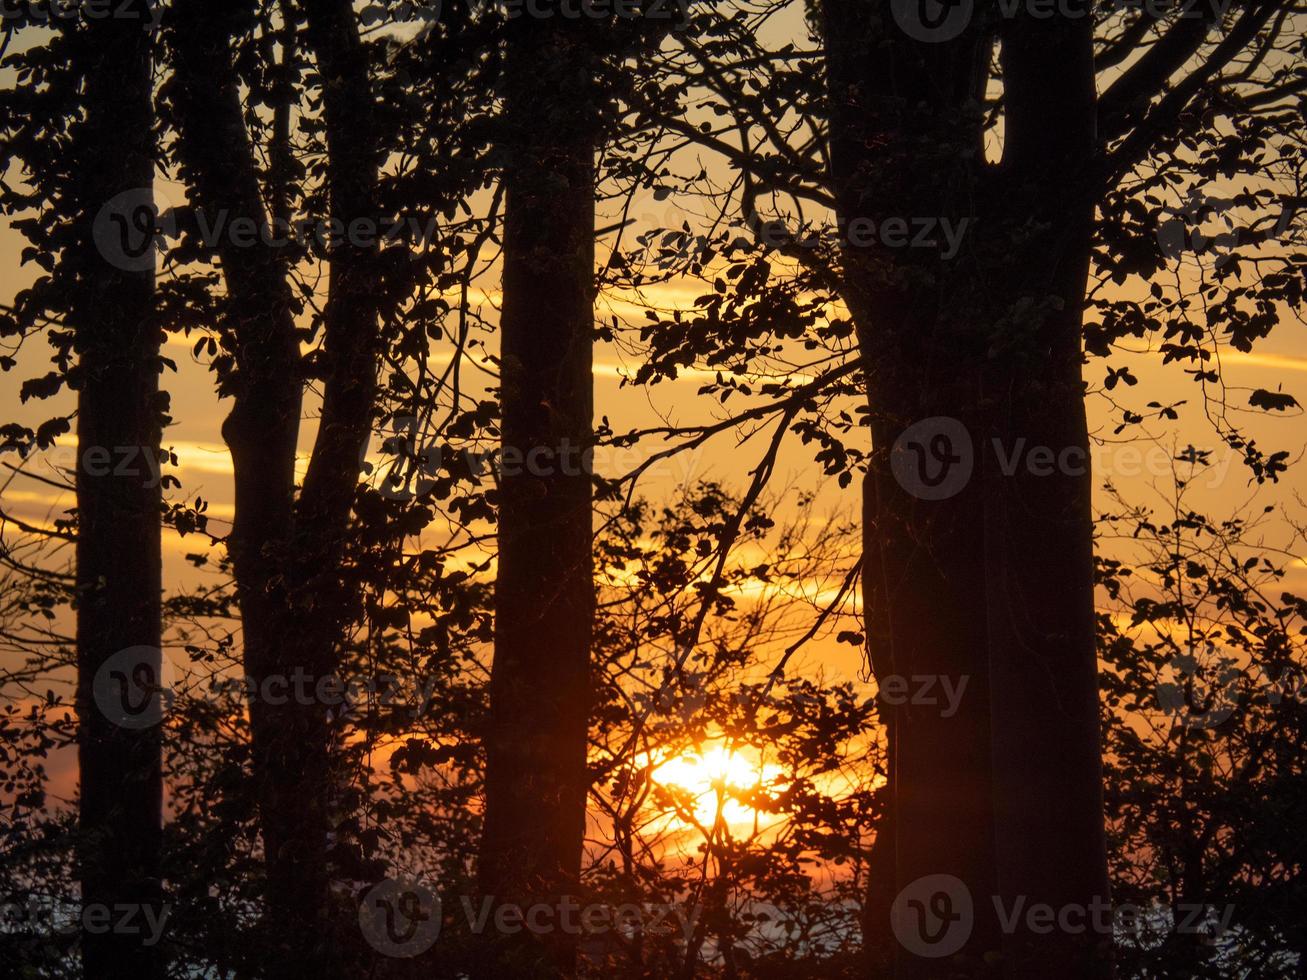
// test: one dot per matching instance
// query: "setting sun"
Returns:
(713, 776)
(653, 489)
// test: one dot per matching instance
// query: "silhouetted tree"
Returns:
(990, 121)
(287, 549)
(536, 779)
(120, 411)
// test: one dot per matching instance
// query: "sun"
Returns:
(712, 775)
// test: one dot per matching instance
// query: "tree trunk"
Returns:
(976, 571)
(287, 553)
(119, 505)
(322, 598)
(536, 779)
(261, 432)
(1048, 792)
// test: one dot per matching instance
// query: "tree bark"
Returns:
(322, 598)
(287, 552)
(261, 432)
(991, 581)
(119, 507)
(536, 778)
(1048, 792)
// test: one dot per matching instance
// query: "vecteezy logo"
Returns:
(1200, 697)
(932, 459)
(400, 917)
(933, 916)
(132, 688)
(128, 231)
(411, 465)
(932, 21)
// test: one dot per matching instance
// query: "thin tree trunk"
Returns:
(287, 553)
(322, 598)
(119, 506)
(261, 431)
(536, 779)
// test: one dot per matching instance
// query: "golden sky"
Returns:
(1138, 469)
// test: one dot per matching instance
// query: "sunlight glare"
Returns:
(714, 772)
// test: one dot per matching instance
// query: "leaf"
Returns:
(1273, 401)
(49, 431)
(43, 387)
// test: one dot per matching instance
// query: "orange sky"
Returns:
(1137, 469)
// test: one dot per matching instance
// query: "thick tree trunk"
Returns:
(119, 631)
(924, 575)
(1038, 520)
(982, 572)
(536, 781)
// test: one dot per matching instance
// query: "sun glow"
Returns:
(708, 782)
